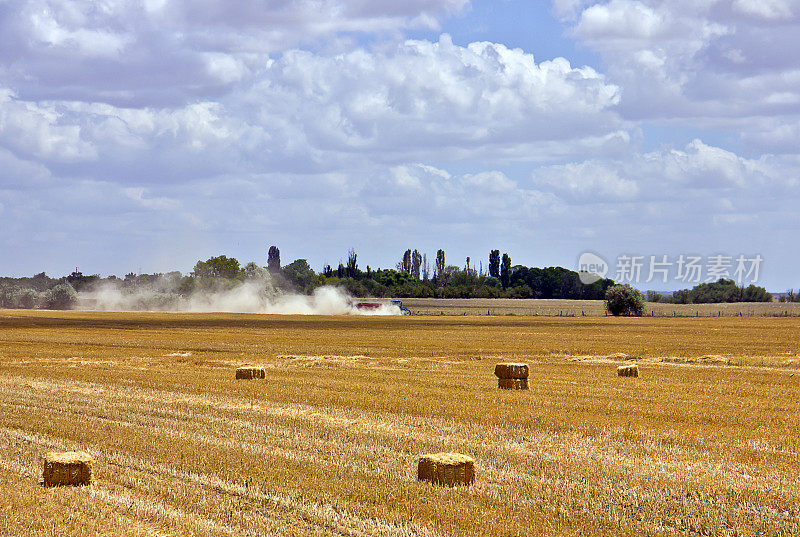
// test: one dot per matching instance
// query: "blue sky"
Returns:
(143, 136)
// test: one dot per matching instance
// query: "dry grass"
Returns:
(328, 443)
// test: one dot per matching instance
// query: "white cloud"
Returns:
(621, 19)
(766, 9)
(697, 174)
(423, 96)
(40, 131)
(170, 51)
(774, 135)
(313, 113)
(141, 196)
(50, 32)
(586, 181)
(436, 196)
(226, 68)
(711, 61)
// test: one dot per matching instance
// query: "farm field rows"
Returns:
(578, 308)
(705, 442)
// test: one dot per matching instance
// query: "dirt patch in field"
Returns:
(605, 359)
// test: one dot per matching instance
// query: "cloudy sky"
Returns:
(145, 135)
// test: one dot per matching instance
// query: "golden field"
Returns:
(577, 308)
(705, 442)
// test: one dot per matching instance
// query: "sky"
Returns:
(142, 136)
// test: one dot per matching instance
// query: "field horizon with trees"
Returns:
(414, 276)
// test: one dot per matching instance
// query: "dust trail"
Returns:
(254, 296)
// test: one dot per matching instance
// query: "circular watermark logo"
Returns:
(591, 268)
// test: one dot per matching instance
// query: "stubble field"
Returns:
(580, 308)
(705, 442)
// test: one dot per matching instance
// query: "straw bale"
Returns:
(631, 370)
(512, 384)
(67, 468)
(250, 372)
(511, 370)
(448, 469)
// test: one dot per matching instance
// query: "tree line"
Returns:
(723, 290)
(414, 275)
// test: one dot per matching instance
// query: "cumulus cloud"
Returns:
(422, 95)
(586, 181)
(314, 113)
(171, 51)
(436, 195)
(695, 172)
(622, 20)
(40, 131)
(766, 9)
(774, 135)
(713, 61)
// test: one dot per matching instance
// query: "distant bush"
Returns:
(12, 296)
(723, 290)
(61, 297)
(624, 300)
(25, 299)
(6, 296)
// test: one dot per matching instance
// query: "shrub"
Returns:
(15, 297)
(7, 296)
(61, 297)
(25, 299)
(624, 300)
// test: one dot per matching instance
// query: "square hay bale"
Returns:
(511, 370)
(250, 372)
(67, 468)
(512, 384)
(631, 370)
(448, 469)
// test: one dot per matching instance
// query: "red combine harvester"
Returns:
(376, 305)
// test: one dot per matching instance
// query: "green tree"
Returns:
(352, 264)
(26, 298)
(624, 300)
(274, 259)
(416, 263)
(218, 267)
(722, 290)
(440, 266)
(80, 282)
(653, 296)
(753, 293)
(406, 263)
(300, 273)
(494, 263)
(505, 271)
(253, 272)
(61, 297)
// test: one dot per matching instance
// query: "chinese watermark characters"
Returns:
(684, 268)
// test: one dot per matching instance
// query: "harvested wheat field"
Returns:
(580, 308)
(705, 442)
